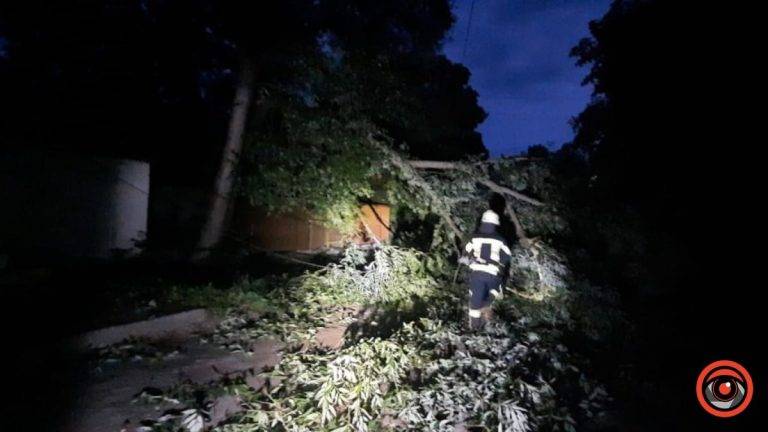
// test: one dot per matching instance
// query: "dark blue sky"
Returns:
(518, 55)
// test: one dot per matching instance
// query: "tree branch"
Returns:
(404, 166)
(378, 217)
(519, 231)
(440, 165)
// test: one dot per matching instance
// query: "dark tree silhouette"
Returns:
(156, 81)
(664, 192)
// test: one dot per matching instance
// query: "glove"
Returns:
(498, 294)
(465, 260)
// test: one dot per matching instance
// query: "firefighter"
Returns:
(488, 255)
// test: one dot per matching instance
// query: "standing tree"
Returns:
(335, 120)
(260, 33)
(220, 196)
(665, 191)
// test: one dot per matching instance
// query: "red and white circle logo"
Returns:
(724, 388)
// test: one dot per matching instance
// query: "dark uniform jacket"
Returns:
(488, 251)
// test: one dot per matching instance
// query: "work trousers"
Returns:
(480, 286)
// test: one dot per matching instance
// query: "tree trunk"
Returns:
(215, 222)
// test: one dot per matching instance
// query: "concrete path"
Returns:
(105, 400)
(179, 326)
(106, 397)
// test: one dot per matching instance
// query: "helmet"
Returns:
(490, 217)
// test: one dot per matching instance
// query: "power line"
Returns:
(469, 27)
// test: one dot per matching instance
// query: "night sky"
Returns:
(517, 52)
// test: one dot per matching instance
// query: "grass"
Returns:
(247, 295)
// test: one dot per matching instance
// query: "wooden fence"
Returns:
(297, 231)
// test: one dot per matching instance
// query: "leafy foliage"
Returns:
(247, 295)
(461, 195)
(341, 391)
(383, 274)
(430, 374)
(489, 380)
(309, 146)
(539, 271)
(313, 159)
(391, 274)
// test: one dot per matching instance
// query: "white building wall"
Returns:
(129, 204)
(60, 204)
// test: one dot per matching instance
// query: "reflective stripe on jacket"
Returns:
(489, 252)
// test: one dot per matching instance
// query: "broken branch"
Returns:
(440, 165)
(406, 167)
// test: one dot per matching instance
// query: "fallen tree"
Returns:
(468, 168)
(480, 174)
